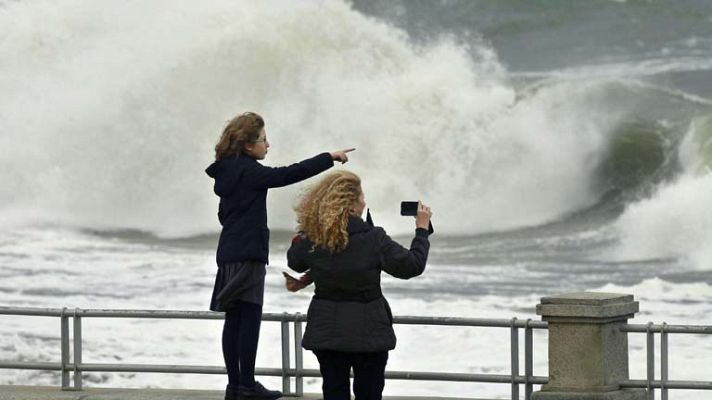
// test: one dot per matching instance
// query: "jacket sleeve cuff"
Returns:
(327, 162)
(420, 232)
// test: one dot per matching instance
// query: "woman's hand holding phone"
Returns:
(422, 218)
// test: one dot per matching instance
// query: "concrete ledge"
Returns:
(54, 393)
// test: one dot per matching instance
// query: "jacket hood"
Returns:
(227, 174)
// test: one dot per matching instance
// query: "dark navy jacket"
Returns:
(348, 311)
(242, 183)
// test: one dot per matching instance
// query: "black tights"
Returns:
(241, 333)
(369, 374)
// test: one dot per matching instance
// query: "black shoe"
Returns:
(231, 393)
(257, 392)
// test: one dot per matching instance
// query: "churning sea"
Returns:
(563, 146)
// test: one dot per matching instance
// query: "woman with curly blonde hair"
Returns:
(349, 322)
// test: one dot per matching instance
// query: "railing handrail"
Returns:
(286, 372)
(658, 384)
(274, 317)
(644, 328)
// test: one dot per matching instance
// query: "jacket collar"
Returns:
(357, 225)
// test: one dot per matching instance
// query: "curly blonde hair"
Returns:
(244, 128)
(324, 209)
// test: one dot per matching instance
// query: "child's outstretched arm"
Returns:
(270, 177)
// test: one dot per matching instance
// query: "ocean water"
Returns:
(563, 146)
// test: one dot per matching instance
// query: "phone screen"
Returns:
(409, 208)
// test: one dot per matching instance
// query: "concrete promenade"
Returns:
(55, 393)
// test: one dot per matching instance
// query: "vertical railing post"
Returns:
(650, 357)
(285, 354)
(77, 322)
(528, 360)
(663, 362)
(588, 352)
(64, 343)
(298, 359)
(514, 348)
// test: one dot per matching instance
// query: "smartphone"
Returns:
(409, 208)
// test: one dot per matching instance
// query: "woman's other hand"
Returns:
(294, 285)
(422, 219)
(341, 155)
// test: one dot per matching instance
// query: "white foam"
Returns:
(677, 220)
(657, 293)
(110, 112)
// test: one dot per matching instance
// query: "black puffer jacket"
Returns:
(348, 311)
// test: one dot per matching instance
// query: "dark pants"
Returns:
(369, 374)
(241, 333)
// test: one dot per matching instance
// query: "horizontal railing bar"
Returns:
(438, 376)
(640, 383)
(161, 314)
(32, 311)
(177, 369)
(58, 312)
(31, 365)
(174, 314)
(460, 377)
(698, 329)
(311, 373)
(481, 322)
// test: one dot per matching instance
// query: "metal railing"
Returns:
(664, 384)
(73, 365)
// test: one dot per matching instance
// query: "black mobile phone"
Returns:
(409, 208)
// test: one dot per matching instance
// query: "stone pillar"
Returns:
(588, 354)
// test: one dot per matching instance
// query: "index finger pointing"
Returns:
(349, 150)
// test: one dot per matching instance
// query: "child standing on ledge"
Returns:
(242, 253)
